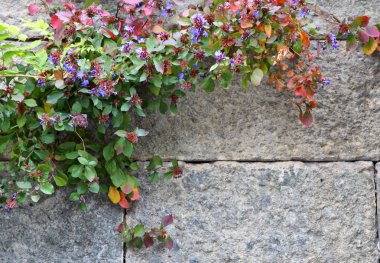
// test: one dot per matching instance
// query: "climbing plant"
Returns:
(70, 96)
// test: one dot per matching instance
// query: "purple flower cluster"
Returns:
(197, 30)
(324, 82)
(168, 10)
(78, 120)
(333, 41)
(46, 120)
(127, 47)
(143, 53)
(219, 56)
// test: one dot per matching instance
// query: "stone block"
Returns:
(262, 124)
(55, 231)
(263, 212)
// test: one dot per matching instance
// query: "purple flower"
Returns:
(69, 67)
(334, 42)
(129, 30)
(142, 53)
(44, 119)
(256, 14)
(302, 13)
(41, 82)
(199, 21)
(53, 60)
(80, 75)
(168, 10)
(219, 56)
(85, 83)
(181, 75)
(126, 48)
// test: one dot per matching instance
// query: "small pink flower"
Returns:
(33, 9)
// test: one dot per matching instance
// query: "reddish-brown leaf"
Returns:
(167, 220)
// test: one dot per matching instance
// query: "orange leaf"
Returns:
(370, 47)
(268, 30)
(305, 39)
(136, 194)
(113, 195)
(158, 29)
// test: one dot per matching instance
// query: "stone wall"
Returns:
(257, 187)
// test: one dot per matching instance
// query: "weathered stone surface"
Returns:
(263, 212)
(378, 201)
(55, 231)
(261, 124)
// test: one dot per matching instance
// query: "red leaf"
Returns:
(307, 119)
(372, 31)
(362, 21)
(362, 36)
(127, 189)
(148, 240)
(169, 244)
(120, 228)
(133, 2)
(56, 22)
(124, 203)
(33, 9)
(108, 33)
(167, 220)
(136, 194)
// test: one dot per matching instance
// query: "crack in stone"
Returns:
(376, 211)
(124, 244)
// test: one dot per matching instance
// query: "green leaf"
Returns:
(298, 46)
(154, 177)
(94, 188)
(90, 173)
(125, 107)
(245, 82)
(61, 179)
(77, 107)
(257, 76)
(108, 152)
(118, 178)
(74, 196)
(208, 84)
(30, 103)
(24, 185)
(128, 149)
(121, 133)
(53, 97)
(83, 161)
(139, 230)
(71, 155)
(48, 138)
(47, 188)
(21, 121)
(150, 43)
(35, 198)
(226, 79)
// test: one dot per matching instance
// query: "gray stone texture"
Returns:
(262, 124)
(55, 231)
(263, 212)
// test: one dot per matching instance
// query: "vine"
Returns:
(69, 97)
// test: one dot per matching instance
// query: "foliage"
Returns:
(68, 108)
